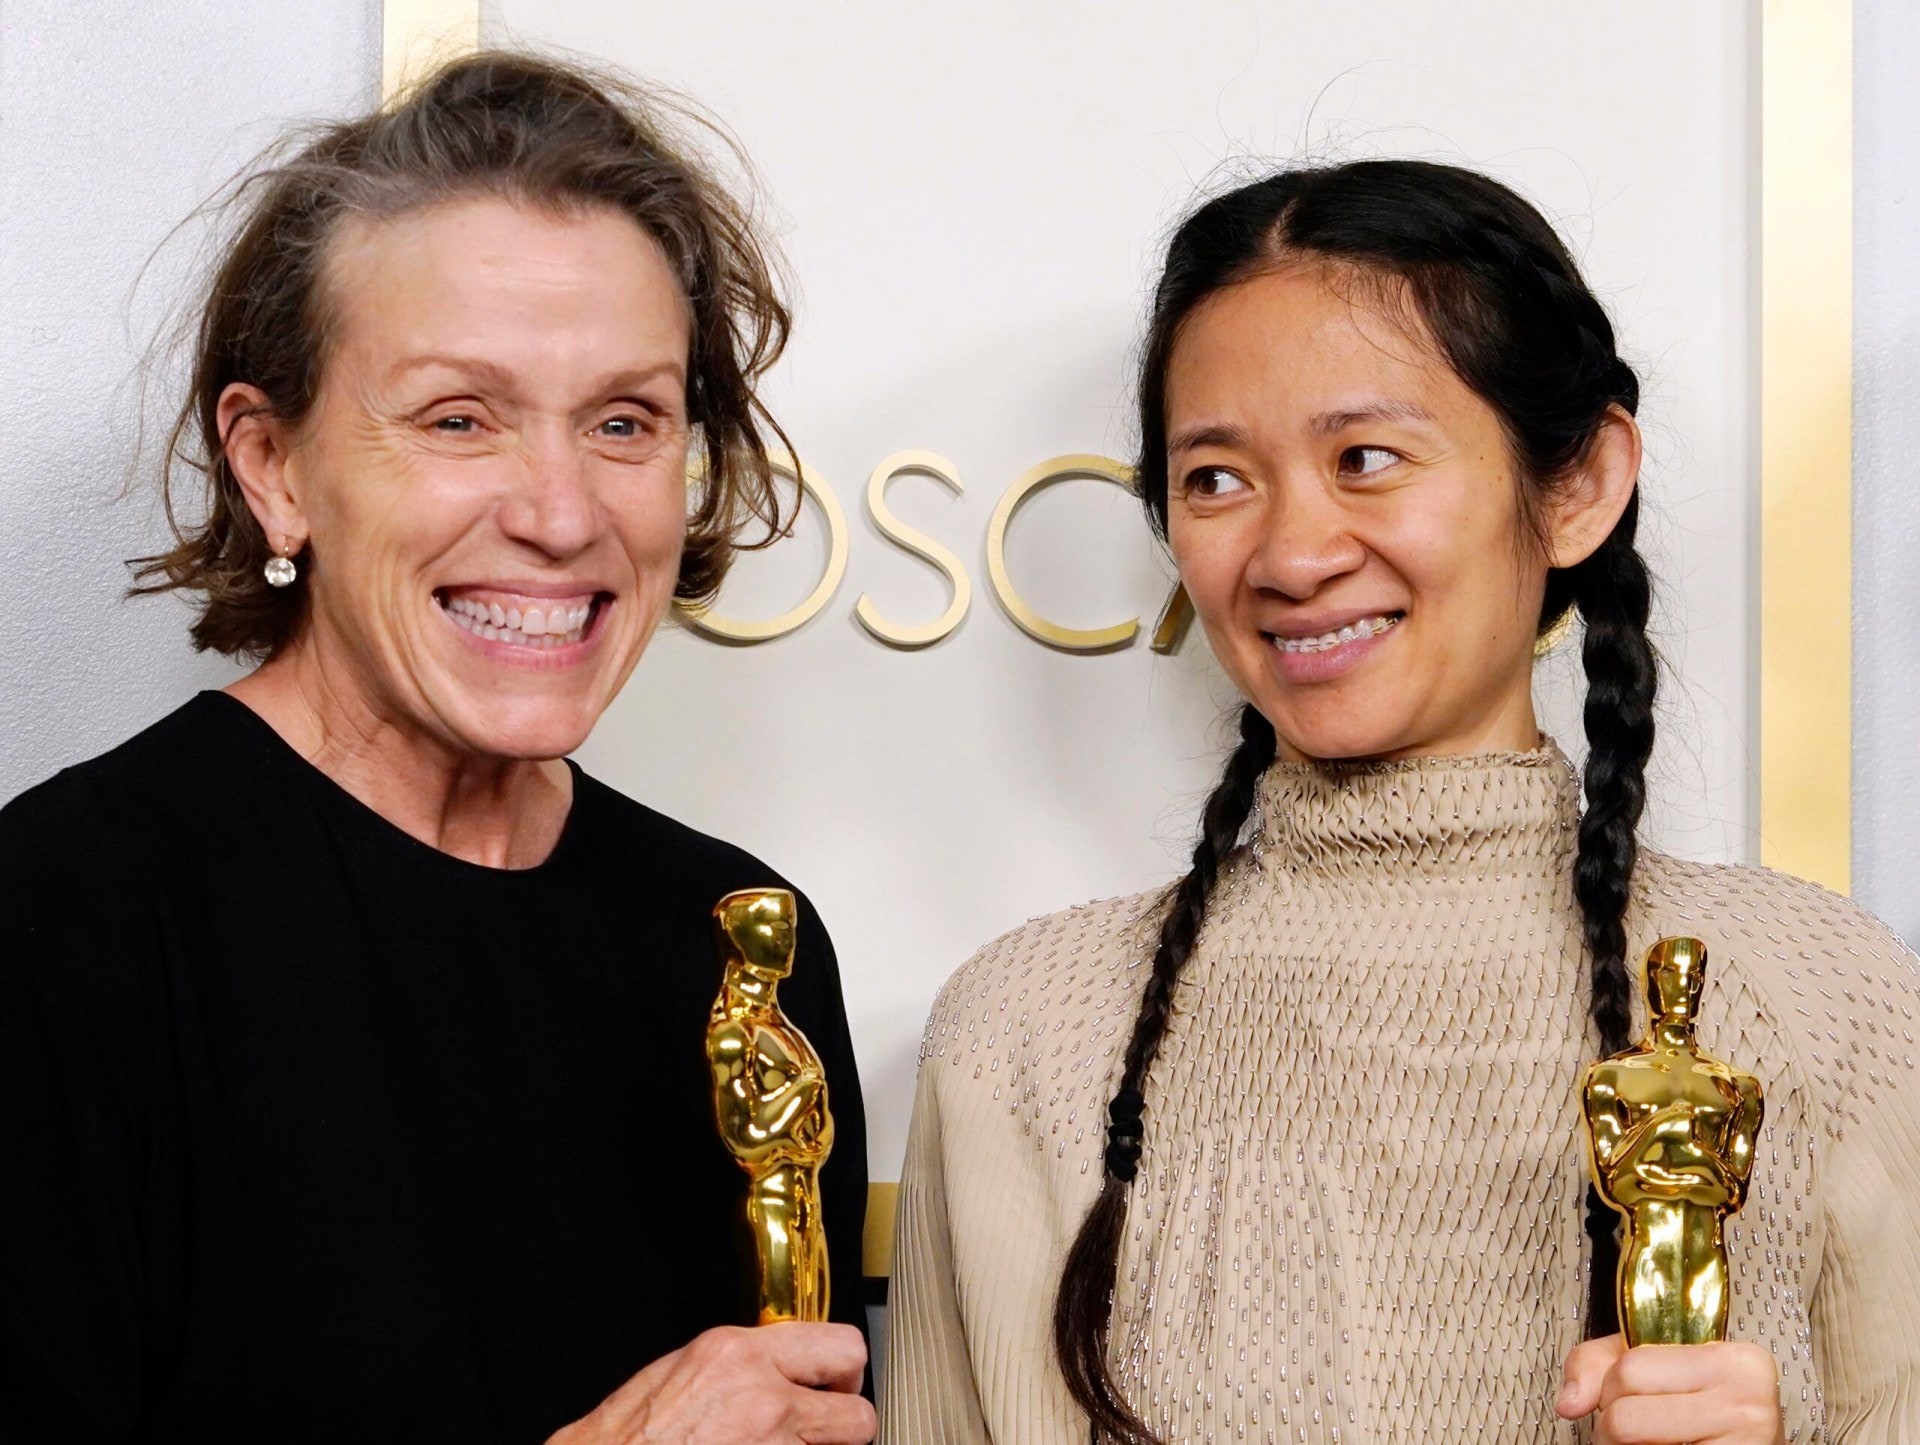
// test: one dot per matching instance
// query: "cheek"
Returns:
(1208, 561)
(651, 521)
(1468, 561)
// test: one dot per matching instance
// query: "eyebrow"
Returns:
(1326, 423)
(497, 377)
(1210, 434)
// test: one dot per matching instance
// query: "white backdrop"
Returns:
(971, 197)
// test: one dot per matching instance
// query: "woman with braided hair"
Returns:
(1291, 1151)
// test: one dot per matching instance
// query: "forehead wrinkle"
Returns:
(1387, 408)
(1207, 434)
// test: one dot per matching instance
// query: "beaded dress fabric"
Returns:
(1358, 1216)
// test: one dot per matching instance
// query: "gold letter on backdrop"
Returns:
(921, 545)
(1058, 469)
(728, 629)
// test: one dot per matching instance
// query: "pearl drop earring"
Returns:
(281, 571)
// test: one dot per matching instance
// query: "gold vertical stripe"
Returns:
(1806, 438)
(415, 35)
(877, 1248)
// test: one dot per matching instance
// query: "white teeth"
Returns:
(1366, 627)
(536, 628)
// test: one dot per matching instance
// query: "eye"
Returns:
(456, 425)
(1366, 461)
(622, 428)
(1214, 482)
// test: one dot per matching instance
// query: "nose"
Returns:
(552, 507)
(1307, 542)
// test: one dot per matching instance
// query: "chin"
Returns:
(1329, 740)
(523, 732)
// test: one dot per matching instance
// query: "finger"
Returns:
(1688, 1369)
(831, 1357)
(1586, 1368)
(824, 1418)
(1702, 1419)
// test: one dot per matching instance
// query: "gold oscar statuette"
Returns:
(1670, 1139)
(770, 1100)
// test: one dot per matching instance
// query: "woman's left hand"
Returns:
(1721, 1394)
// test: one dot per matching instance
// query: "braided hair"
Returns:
(1505, 303)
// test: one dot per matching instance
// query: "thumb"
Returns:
(1586, 1370)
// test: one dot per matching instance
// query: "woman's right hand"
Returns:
(788, 1384)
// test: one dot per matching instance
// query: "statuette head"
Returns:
(1676, 975)
(758, 924)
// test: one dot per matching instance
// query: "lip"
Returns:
(546, 590)
(1303, 668)
(1296, 627)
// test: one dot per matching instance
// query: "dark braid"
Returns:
(1614, 595)
(1081, 1316)
(1486, 278)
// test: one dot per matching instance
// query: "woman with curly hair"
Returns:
(352, 1082)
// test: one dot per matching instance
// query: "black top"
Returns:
(311, 1132)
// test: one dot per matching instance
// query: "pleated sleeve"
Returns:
(927, 1393)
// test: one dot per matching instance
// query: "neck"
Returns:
(746, 986)
(1673, 1033)
(496, 812)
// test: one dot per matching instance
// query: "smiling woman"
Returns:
(352, 1073)
(1292, 1150)
(516, 377)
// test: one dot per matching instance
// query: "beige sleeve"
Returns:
(1866, 1301)
(927, 1390)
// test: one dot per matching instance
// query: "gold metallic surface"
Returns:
(876, 1249)
(730, 629)
(1551, 639)
(770, 1101)
(1670, 1136)
(1056, 469)
(1176, 616)
(1805, 415)
(896, 634)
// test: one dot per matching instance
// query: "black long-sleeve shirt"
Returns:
(311, 1132)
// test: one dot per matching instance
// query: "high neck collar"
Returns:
(1443, 817)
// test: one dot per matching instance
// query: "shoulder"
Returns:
(668, 847)
(1067, 971)
(88, 860)
(1770, 921)
(1814, 970)
(137, 782)
(672, 875)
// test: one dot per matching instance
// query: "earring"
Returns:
(280, 571)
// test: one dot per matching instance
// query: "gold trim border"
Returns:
(1806, 439)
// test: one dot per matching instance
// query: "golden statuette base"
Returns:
(770, 1101)
(1670, 1139)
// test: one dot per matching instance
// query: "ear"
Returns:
(260, 455)
(1586, 507)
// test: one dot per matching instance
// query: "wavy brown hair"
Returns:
(528, 129)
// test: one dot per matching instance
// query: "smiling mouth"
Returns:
(533, 625)
(1326, 641)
